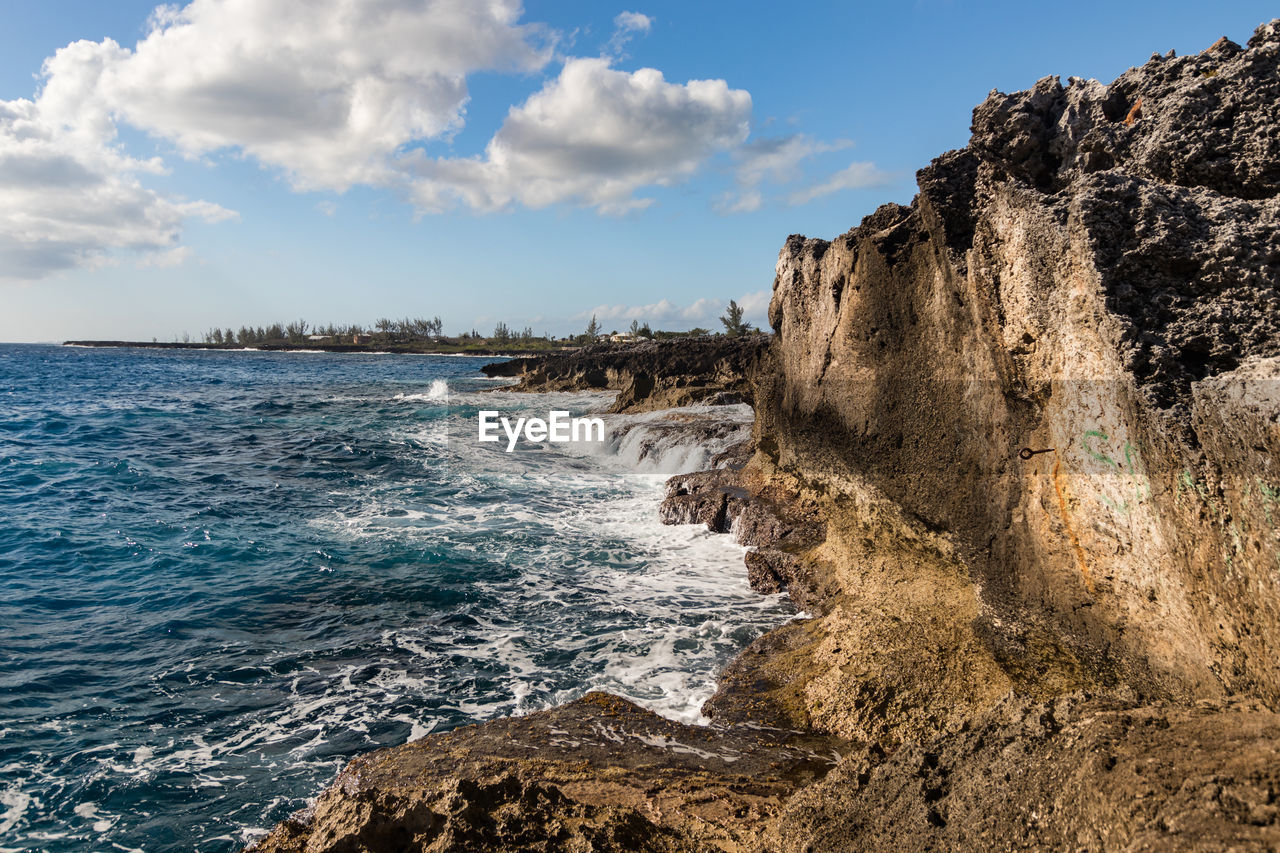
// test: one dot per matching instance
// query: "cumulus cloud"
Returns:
(325, 90)
(69, 197)
(855, 176)
(664, 314)
(338, 93)
(593, 136)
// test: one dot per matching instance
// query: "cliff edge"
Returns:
(1015, 453)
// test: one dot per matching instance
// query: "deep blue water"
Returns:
(223, 574)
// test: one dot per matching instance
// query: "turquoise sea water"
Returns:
(223, 574)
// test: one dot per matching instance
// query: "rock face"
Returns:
(1039, 412)
(648, 375)
(1015, 453)
(1072, 774)
(1104, 286)
(596, 774)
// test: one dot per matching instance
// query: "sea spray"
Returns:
(272, 562)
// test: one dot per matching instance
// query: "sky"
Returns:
(168, 169)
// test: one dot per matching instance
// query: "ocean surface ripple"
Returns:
(223, 574)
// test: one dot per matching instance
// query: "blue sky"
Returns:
(246, 161)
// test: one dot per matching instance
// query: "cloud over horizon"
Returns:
(69, 197)
(334, 94)
(664, 314)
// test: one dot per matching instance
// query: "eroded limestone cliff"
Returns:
(1037, 413)
(1098, 276)
(1015, 452)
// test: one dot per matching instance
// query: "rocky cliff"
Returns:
(1097, 276)
(1015, 452)
(648, 375)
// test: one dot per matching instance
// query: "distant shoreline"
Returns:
(393, 347)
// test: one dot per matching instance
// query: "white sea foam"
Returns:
(678, 596)
(593, 591)
(15, 802)
(101, 822)
(437, 392)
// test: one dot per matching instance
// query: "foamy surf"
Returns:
(438, 392)
(308, 558)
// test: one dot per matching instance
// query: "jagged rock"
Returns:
(778, 527)
(1084, 277)
(648, 375)
(596, 774)
(1078, 773)
(713, 498)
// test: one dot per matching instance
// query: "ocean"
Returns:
(224, 574)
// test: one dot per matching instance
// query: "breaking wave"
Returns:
(272, 563)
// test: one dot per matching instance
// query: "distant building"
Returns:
(622, 337)
(319, 339)
(362, 339)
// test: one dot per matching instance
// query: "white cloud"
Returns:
(855, 176)
(664, 314)
(626, 26)
(69, 197)
(633, 22)
(592, 137)
(745, 201)
(771, 160)
(777, 159)
(755, 306)
(326, 90)
(337, 93)
(172, 258)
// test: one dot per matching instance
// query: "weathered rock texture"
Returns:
(1073, 647)
(1107, 289)
(648, 375)
(596, 774)
(1096, 276)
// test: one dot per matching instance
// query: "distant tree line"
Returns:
(431, 329)
(299, 331)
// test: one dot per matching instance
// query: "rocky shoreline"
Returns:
(1015, 453)
(648, 375)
